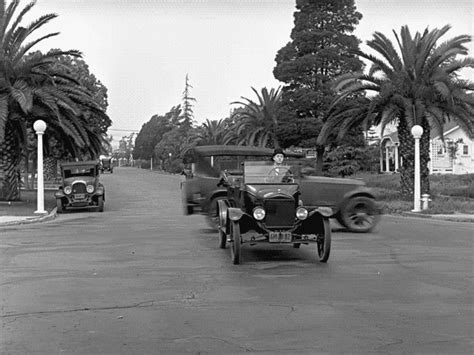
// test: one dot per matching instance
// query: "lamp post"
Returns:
(417, 132)
(40, 126)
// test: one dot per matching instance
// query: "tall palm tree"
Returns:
(256, 122)
(31, 89)
(419, 84)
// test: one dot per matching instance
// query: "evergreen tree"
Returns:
(188, 114)
(320, 49)
(150, 134)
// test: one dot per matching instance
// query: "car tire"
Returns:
(212, 216)
(59, 206)
(221, 233)
(100, 204)
(324, 242)
(235, 243)
(359, 215)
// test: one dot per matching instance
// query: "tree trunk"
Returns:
(425, 158)
(319, 159)
(407, 153)
(9, 167)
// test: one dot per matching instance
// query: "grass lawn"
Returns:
(449, 193)
(28, 204)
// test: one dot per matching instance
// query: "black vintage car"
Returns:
(352, 202)
(106, 165)
(263, 206)
(80, 187)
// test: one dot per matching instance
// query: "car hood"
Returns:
(89, 180)
(265, 191)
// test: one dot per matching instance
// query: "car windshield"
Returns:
(79, 171)
(264, 172)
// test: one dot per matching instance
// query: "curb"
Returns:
(452, 218)
(36, 219)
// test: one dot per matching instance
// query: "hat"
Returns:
(278, 151)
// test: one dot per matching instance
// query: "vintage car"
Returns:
(353, 203)
(106, 165)
(80, 187)
(263, 206)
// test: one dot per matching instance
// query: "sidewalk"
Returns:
(35, 218)
(22, 212)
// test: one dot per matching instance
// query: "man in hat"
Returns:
(280, 172)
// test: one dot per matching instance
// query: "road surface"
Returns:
(142, 278)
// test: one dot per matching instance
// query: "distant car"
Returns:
(353, 203)
(106, 165)
(80, 187)
(266, 207)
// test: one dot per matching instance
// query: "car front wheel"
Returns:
(235, 244)
(59, 205)
(359, 215)
(324, 242)
(100, 204)
(212, 216)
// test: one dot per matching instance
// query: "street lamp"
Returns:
(417, 132)
(40, 126)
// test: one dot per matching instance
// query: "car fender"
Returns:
(100, 190)
(59, 194)
(323, 211)
(234, 214)
(213, 195)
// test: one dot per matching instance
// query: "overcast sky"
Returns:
(141, 50)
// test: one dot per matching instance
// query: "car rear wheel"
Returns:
(359, 215)
(100, 203)
(235, 242)
(324, 242)
(212, 216)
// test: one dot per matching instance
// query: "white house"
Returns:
(453, 156)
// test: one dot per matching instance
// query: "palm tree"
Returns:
(256, 122)
(31, 89)
(420, 84)
(210, 132)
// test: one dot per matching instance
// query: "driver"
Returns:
(279, 170)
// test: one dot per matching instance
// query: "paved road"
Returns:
(141, 278)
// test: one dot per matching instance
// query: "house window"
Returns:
(438, 148)
(465, 149)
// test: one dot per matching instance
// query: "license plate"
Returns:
(79, 196)
(279, 237)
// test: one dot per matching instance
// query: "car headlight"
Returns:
(258, 213)
(67, 190)
(90, 188)
(301, 213)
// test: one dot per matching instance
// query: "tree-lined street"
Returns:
(142, 278)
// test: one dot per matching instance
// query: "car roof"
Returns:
(79, 163)
(236, 150)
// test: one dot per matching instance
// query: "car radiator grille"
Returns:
(279, 213)
(79, 188)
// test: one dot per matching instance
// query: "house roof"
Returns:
(447, 128)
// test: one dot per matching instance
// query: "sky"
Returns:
(142, 50)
